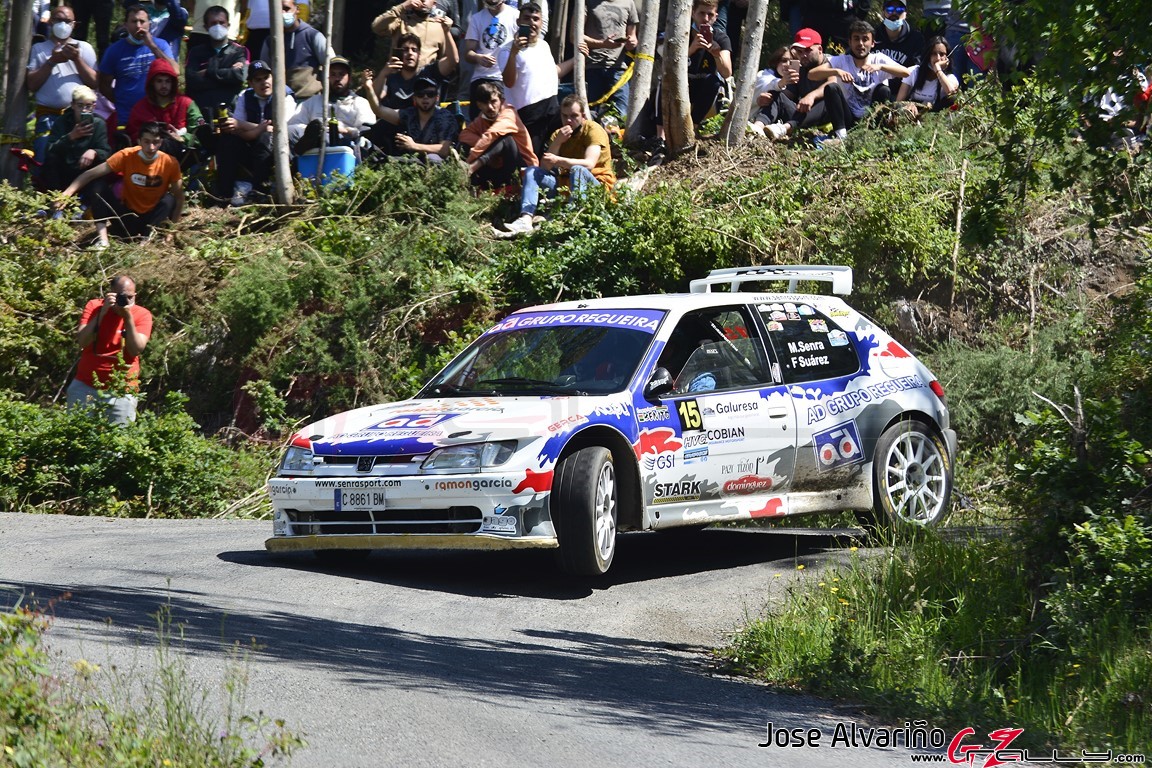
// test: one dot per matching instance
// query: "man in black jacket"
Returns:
(218, 69)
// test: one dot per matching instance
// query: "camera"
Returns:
(121, 300)
(436, 13)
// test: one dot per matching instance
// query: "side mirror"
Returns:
(659, 383)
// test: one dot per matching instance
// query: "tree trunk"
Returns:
(336, 14)
(325, 114)
(16, 103)
(641, 90)
(733, 131)
(282, 189)
(679, 134)
(560, 34)
(579, 82)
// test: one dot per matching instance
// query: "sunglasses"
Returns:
(894, 9)
(427, 94)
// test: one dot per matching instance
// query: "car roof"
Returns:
(702, 295)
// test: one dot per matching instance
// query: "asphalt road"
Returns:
(446, 659)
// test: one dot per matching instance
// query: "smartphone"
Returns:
(85, 118)
(793, 66)
(74, 45)
(524, 31)
(706, 33)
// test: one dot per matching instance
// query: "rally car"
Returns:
(563, 424)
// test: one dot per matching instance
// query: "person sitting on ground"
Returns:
(530, 76)
(929, 85)
(152, 190)
(782, 70)
(578, 157)
(244, 139)
(217, 69)
(397, 82)
(856, 80)
(800, 102)
(163, 103)
(709, 65)
(353, 114)
(497, 141)
(124, 68)
(415, 18)
(79, 141)
(56, 67)
(422, 131)
(897, 39)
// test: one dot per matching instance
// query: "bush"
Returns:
(73, 461)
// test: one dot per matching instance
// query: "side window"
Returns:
(715, 349)
(808, 344)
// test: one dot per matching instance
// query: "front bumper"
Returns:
(482, 511)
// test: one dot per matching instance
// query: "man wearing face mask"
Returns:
(304, 50)
(235, 10)
(123, 71)
(218, 69)
(897, 39)
(152, 192)
(55, 67)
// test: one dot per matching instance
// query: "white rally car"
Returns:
(565, 423)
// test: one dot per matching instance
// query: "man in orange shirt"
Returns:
(498, 143)
(152, 189)
(113, 332)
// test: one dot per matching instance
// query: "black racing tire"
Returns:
(911, 477)
(584, 504)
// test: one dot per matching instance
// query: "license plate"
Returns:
(499, 524)
(357, 500)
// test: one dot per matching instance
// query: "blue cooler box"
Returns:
(337, 160)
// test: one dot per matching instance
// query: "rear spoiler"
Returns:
(839, 276)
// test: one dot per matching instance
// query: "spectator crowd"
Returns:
(174, 90)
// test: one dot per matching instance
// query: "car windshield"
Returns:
(573, 359)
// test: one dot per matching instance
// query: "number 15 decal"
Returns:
(838, 446)
(689, 414)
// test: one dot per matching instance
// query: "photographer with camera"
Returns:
(113, 332)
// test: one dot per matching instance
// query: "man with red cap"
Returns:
(801, 101)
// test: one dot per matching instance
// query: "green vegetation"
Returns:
(1026, 288)
(91, 716)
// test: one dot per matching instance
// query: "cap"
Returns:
(808, 37)
(340, 60)
(424, 82)
(258, 66)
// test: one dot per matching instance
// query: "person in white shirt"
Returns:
(930, 83)
(489, 28)
(531, 79)
(856, 80)
(353, 114)
(55, 67)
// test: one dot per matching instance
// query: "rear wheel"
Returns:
(584, 509)
(912, 476)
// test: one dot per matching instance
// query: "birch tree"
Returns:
(678, 131)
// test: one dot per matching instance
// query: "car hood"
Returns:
(413, 427)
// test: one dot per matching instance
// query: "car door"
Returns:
(735, 426)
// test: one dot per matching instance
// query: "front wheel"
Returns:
(583, 505)
(912, 476)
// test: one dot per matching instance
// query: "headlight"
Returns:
(472, 456)
(297, 459)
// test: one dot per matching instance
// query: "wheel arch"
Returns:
(630, 515)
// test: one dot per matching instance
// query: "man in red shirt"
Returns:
(151, 192)
(113, 332)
